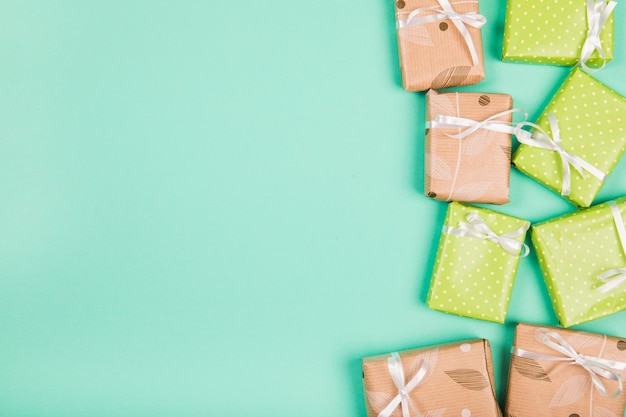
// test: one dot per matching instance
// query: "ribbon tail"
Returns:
(468, 39)
(612, 279)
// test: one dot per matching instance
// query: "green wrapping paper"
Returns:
(473, 276)
(552, 32)
(592, 122)
(574, 252)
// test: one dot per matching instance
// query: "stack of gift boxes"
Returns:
(571, 148)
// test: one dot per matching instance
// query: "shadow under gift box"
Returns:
(561, 387)
(574, 252)
(435, 54)
(475, 168)
(551, 32)
(472, 276)
(592, 122)
(455, 379)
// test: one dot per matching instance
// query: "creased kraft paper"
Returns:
(459, 381)
(551, 389)
(475, 168)
(435, 55)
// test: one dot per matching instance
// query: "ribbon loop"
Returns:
(596, 367)
(479, 229)
(540, 139)
(394, 364)
(615, 277)
(445, 11)
(492, 123)
(598, 11)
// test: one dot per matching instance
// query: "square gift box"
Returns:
(454, 379)
(476, 262)
(436, 51)
(558, 32)
(586, 121)
(583, 260)
(463, 162)
(558, 372)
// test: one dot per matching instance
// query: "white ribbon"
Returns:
(598, 11)
(478, 228)
(596, 367)
(613, 278)
(445, 12)
(394, 364)
(540, 139)
(491, 123)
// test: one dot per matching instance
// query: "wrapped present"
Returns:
(468, 147)
(559, 32)
(476, 262)
(583, 260)
(556, 372)
(439, 43)
(586, 121)
(454, 379)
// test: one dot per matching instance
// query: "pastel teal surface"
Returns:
(216, 209)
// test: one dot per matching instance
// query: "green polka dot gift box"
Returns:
(559, 32)
(583, 259)
(558, 372)
(577, 141)
(477, 259)
(453, 379)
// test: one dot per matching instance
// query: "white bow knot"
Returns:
(492, 123)
(479, 229)
(446, 12)
(598, 11)
(394, 364)
(540, 139)
(596, 367)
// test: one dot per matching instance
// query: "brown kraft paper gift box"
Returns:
(563, 388)
(435, 54)
(477, 167)
(456, 381)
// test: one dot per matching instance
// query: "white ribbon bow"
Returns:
(397, 375)
(446, 12)
(491, 123)
(479, 229)
(613, 278)
(540, 139)
(596, 367)
(598, 11)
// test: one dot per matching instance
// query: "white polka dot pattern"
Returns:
(550, 32)
(474, 277)
(592, 121)
(573, 251)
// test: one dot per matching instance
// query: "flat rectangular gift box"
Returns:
(479, 251)
(476, 167)
(450, 380)
(433, 51)
(563, 373)
(554, 32)
(583, 260)
(583, 128)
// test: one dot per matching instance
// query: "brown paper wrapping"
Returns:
(480, 162)
(550, 389)
(435, 55)
(459, 381)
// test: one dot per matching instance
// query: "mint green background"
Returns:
(215, 208)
